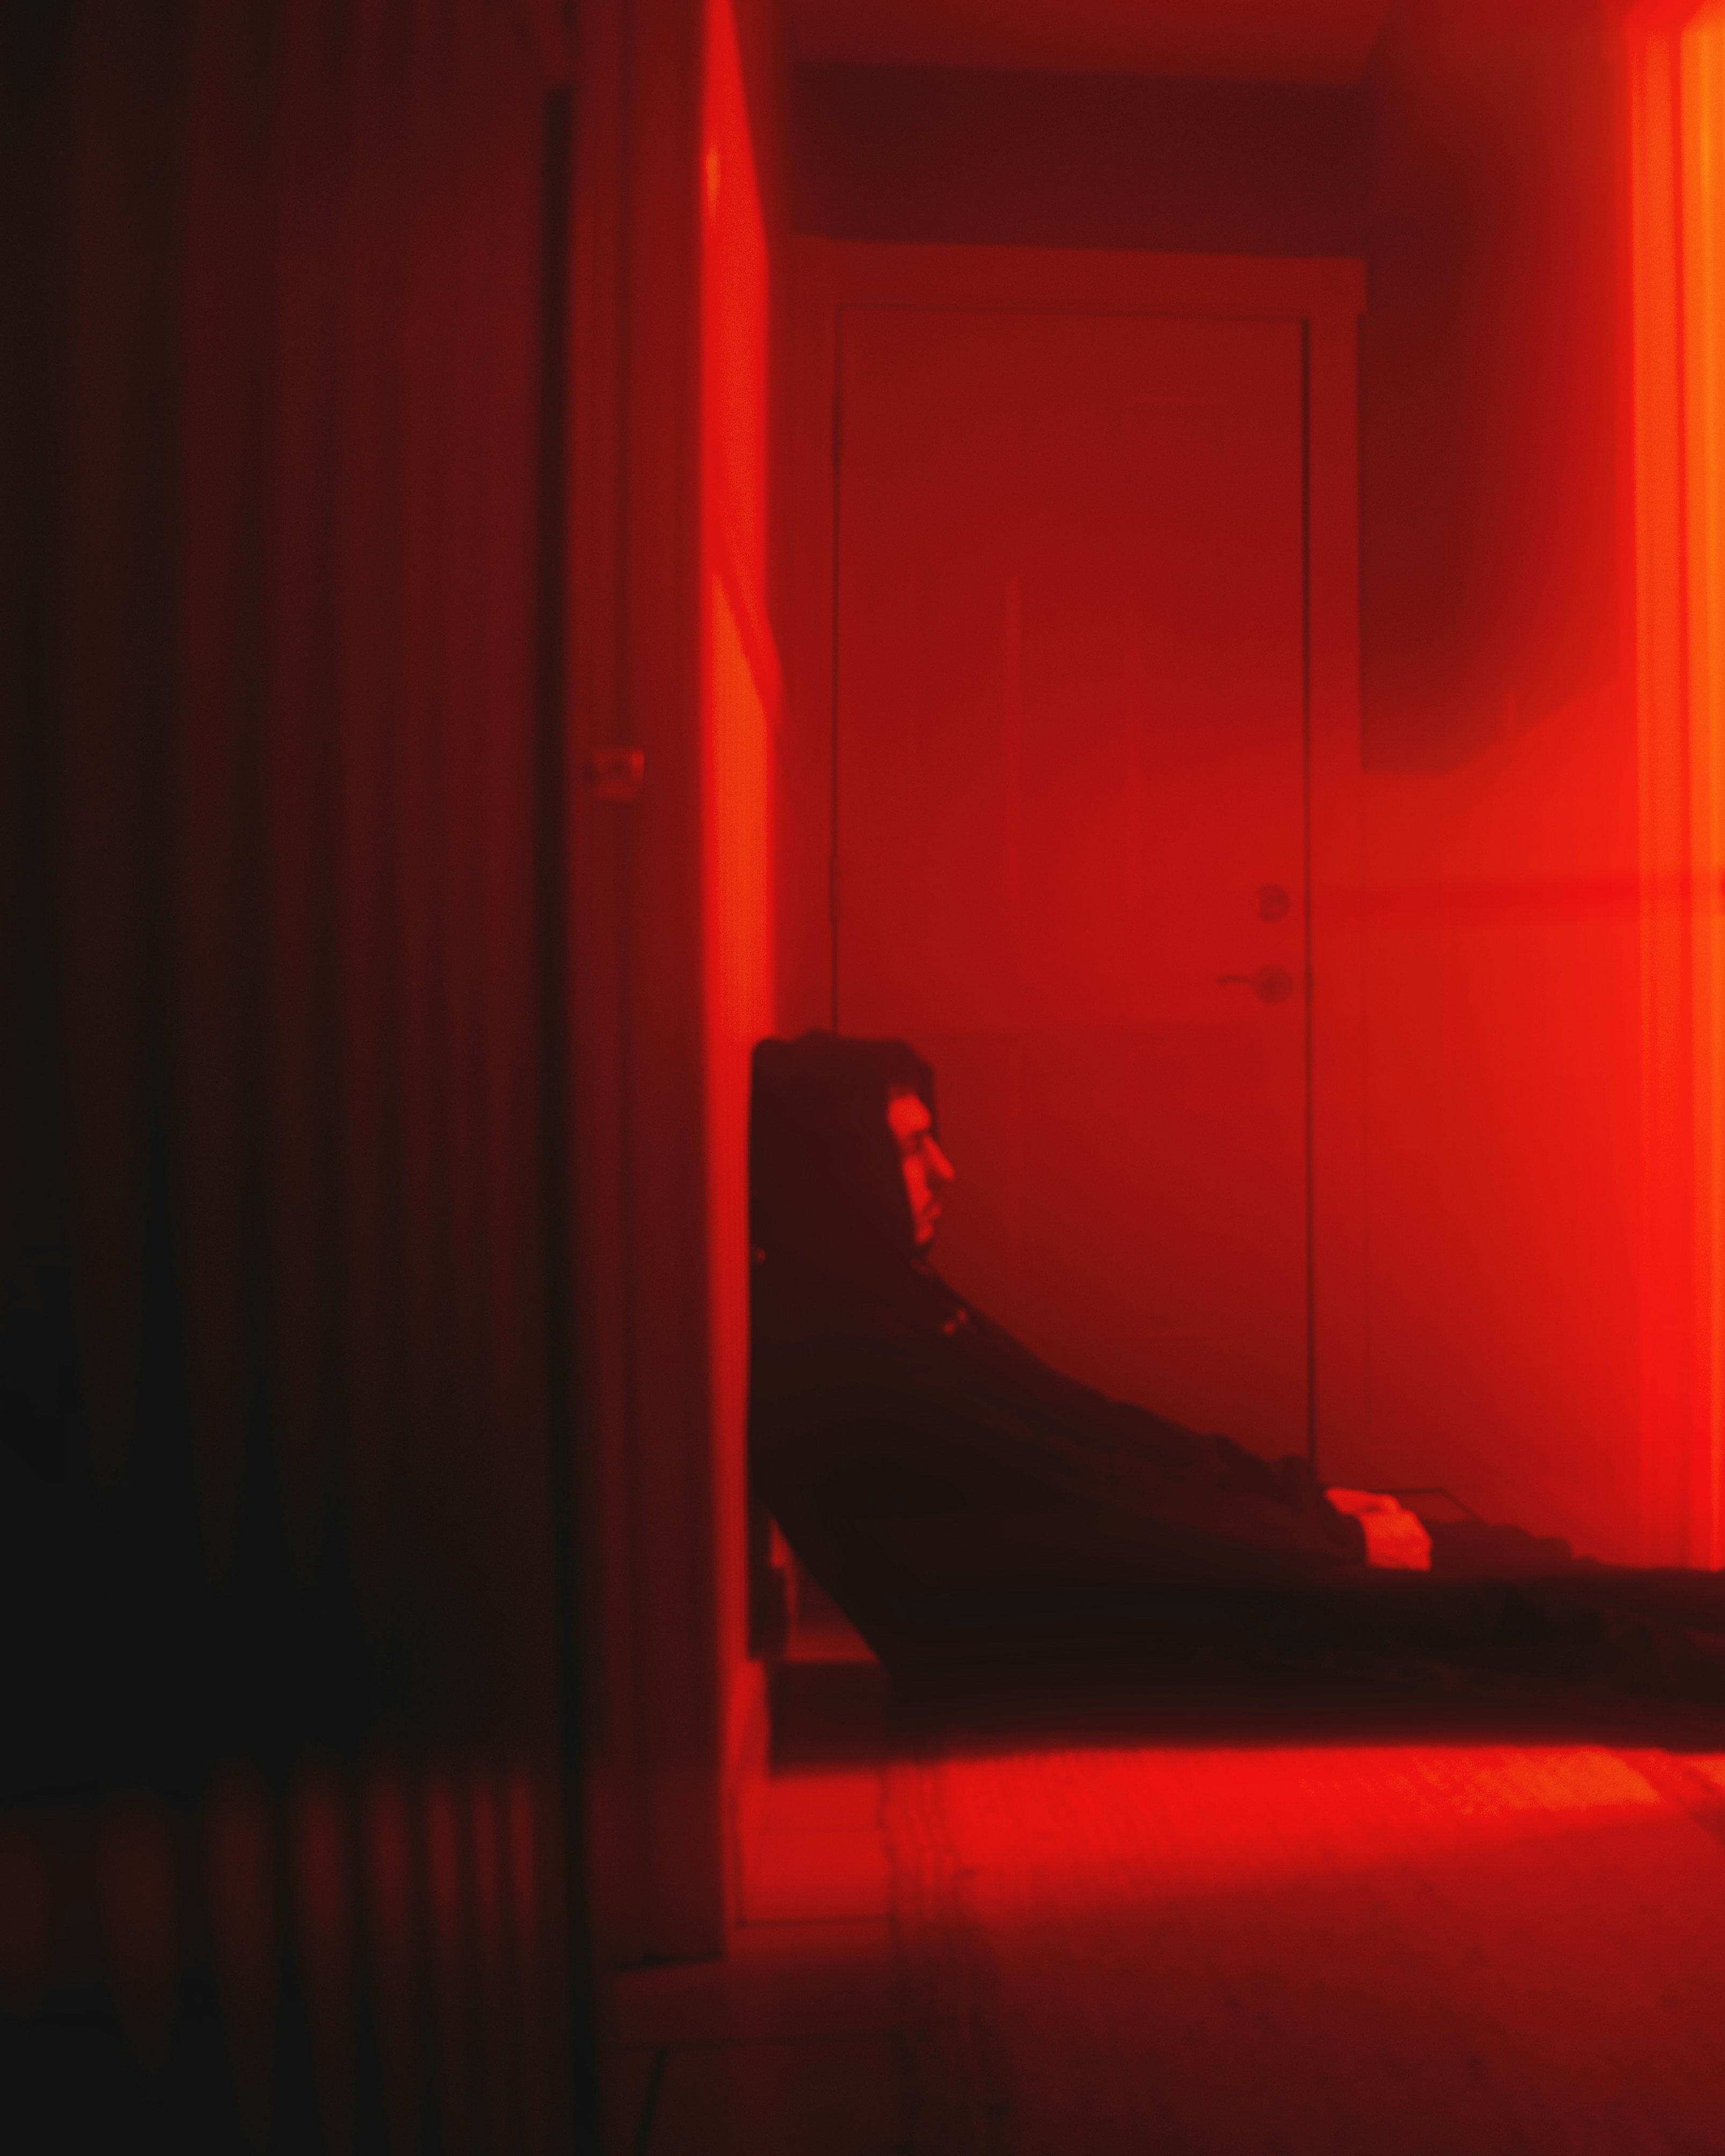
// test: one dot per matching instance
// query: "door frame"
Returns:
(1325, 295)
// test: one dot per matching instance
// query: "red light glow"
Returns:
(1677, 122)
(1247, 1820)
(740, 672)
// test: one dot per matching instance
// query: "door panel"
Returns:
(1070, 761)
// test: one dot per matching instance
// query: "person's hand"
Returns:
(1396, 1540)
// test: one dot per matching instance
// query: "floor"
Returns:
(1231, 1940)
(794, 2042)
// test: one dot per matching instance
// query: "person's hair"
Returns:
(826, 1188)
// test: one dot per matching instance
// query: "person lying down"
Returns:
(960, 1500)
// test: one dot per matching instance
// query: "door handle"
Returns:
(1271, 984)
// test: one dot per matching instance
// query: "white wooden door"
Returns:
(1071, 737)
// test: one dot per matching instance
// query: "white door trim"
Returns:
(1327, 295)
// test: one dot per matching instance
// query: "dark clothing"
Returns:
(924, 1465)
(961, 1500)
(917, 1459)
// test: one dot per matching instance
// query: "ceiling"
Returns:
(1246, 40)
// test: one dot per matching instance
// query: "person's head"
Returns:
(926, 1169)
(845, 1169)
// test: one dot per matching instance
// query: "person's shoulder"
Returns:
(792, 1313)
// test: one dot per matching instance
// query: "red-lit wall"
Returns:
(994, 158)
(990, 158)
(1501, 803)
(1489, 417)
(1502, 1095)
(1675, 65)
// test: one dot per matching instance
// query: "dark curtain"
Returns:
(286, 1736)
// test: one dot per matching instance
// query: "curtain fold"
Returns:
(279, 1341)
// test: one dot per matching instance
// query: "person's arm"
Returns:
(1192, 1493)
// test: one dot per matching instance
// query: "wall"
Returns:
(291, 1790)
(1502, 829)
(764, 50)
(1674, 78)
(742, 726)
(639, 891)
(1502, 1130)
(674, 657)
(993, 158)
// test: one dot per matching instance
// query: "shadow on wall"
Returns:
(1490, 394)
(1500, 814)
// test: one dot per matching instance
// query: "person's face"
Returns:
(926, 1169)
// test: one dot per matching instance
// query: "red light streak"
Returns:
(741, 688)
(1677, 140)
